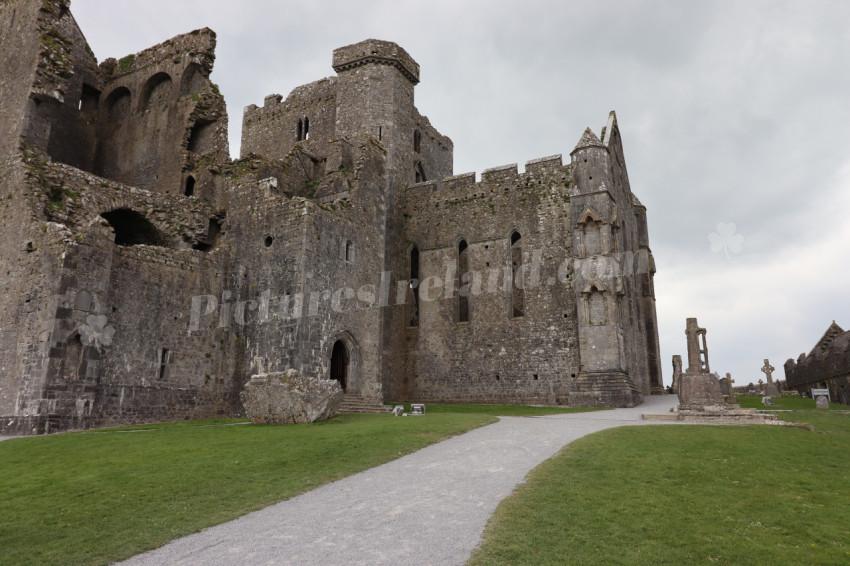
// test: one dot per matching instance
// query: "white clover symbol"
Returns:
(726, 239)
(96, 332)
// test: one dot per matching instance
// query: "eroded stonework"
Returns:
(827, 366)
(289, 398)
(146, 275)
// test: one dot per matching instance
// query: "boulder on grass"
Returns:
(288, 398)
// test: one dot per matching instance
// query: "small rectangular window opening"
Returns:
(164, 358)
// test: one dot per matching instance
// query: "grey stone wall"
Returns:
(826, 366)
(494, 356)
(147, 276)
(273, 129)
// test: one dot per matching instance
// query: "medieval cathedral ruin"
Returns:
(146, 275)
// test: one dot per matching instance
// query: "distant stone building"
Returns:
(826, 367)
(146, 276)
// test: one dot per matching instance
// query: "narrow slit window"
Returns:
(414, 286)
(462, 268)
(517, 286)
(306, 128)
(300, 132)
(164, 358)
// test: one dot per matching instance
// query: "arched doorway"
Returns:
(339, 363)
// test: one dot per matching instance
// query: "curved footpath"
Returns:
(429, 507)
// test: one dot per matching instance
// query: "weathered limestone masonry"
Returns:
(146, 276)
(826, 367)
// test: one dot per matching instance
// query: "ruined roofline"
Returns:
(275, 101)
(198, 44)
(834, 329)
(378, 52)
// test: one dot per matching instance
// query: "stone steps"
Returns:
(353, 403)
(666, 417)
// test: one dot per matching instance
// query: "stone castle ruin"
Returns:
(147, 276)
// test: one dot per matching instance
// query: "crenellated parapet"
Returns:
(494, 182)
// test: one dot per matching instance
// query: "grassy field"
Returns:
(95, 497)
(786, 402)
(498, 410)
(685, 495)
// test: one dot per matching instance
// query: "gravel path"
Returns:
(429, 507)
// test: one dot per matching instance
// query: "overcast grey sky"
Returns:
(731, 112)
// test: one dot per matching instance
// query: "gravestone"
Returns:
(822, 402)
(398, 410)
(724, 386)
(731, 398)
(770, 388)
(767, 401)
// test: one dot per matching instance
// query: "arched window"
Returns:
(190, 186)
(518, 285)
(306, 128)
(462, 268)
(348, 252)
(420, 173)
(414, 286)
(300, 134)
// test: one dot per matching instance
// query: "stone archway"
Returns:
(340, 360)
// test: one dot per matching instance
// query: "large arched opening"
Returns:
(132, 228)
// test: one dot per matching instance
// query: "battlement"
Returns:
(507, 175)
(495, 181)
(377, 52)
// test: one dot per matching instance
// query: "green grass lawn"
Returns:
(685, 495)
(787, 402)
(498, 410)
(96, 497)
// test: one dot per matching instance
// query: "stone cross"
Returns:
(768, 371)
(729, 381)
(697, 350)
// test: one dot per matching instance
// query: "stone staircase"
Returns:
(354, 403)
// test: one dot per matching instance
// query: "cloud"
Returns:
(730, 113)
